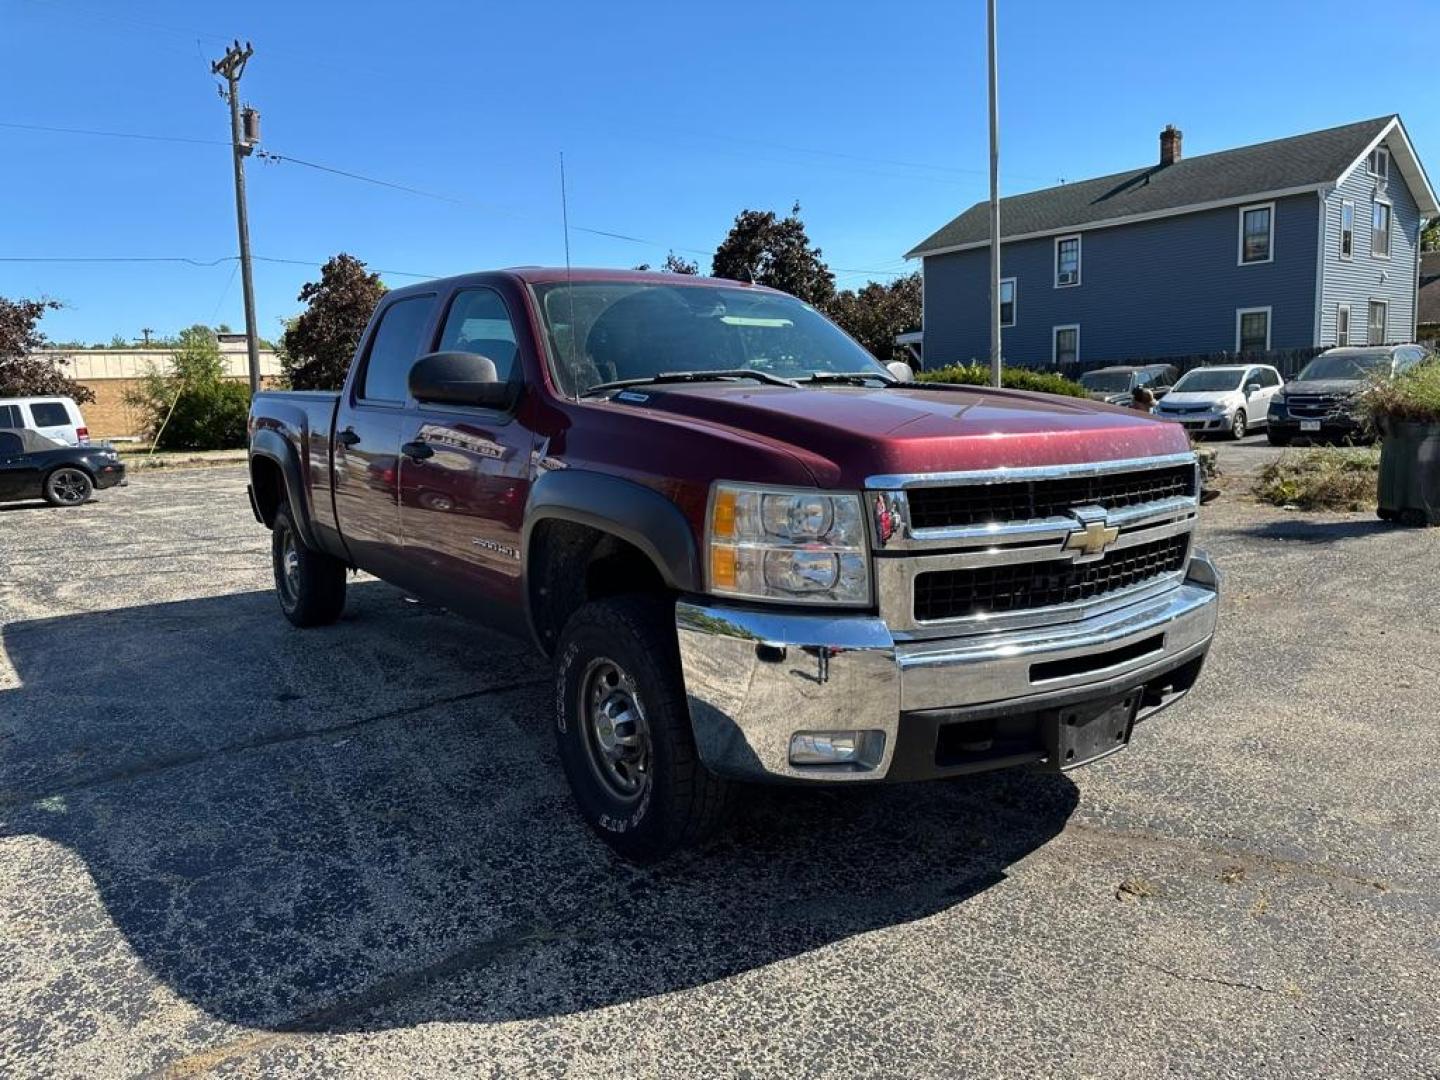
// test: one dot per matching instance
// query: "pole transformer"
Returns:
(994, 206)
(244, 134)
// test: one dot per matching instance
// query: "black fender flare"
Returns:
(269, 444)
(636, 514)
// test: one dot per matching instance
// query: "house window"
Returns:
(1007, 301)
(1342, 325)
(1375, 332)
(1252, 330)
(1379, 163)
(1347, 229)
(1256, 229)
(1380, 231)
(1067, 261)
(1066, 346)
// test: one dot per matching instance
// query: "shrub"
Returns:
(1412, 397)
(193, 407)
(1321, 478)
(1012, 378)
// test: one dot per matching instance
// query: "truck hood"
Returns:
(1202, 397)
(846, 434)
(1324, 387)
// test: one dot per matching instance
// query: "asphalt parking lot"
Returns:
(232, 848)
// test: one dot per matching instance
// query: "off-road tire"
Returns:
(312, 592)
(1276, 438)
(68, 486)
(681, 802)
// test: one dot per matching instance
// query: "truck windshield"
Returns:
(607, 331)
(1106, 382)
(1345, 365)
(1201, 379)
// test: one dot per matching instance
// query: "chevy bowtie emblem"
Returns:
(1092, 538)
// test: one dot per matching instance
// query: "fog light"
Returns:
(862, 748)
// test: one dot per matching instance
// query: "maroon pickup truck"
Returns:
(752, 552)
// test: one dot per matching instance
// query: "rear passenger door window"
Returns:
(396, 346)
(10, 417)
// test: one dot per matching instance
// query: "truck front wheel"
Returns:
(623, 730)
(309, 583)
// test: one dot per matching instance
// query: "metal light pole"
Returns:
(243, 139)
(994, 206)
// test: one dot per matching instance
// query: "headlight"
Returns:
(792, 545)
(1219, 407)
(1277, 404)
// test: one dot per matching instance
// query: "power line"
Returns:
(200, 263)
(113, 134)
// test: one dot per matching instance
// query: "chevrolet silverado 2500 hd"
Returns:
(751, 552)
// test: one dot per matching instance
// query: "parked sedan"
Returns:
(34, 467)
(1229, 400)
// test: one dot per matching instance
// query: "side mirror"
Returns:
(901, 371)
(459, 378)
(1251, 389)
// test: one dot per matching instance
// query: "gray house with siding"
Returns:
(1293, 244)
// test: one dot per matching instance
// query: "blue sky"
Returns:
(672, 118)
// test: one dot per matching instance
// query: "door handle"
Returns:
(418, 450)
(347, 437)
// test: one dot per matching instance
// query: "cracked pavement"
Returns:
(231, 848)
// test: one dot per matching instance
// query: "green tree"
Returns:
(674, 264)
(317, 345)
(770, 250)
(1430, 238)
(874, 314)
(22, 372)
(118, 342)
(193, 406)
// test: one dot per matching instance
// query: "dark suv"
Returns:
(1118, 384)
(1320, 402)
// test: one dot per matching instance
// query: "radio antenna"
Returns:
(569, 285)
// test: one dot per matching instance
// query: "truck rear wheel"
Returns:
(309, 583)
(623, 730)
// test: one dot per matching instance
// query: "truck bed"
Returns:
(304, 419)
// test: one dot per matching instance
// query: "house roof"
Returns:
(1266, 170)
(1429, 288)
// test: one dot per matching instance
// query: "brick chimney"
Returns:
(1170, 144)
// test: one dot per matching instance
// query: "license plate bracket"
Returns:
(1309, 425)
(1080, 734)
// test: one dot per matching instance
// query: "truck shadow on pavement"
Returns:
(365, 827)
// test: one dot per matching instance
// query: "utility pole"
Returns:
(994, 206)
(146, 332)
(243, 138)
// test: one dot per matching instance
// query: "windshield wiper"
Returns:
(850, 378)
(691, 376)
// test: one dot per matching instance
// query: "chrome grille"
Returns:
(1312, 405)
(950, 594)
(976, 552)
(946, 507)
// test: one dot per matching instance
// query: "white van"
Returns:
(55, 417)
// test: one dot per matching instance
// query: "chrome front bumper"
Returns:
(755, 678)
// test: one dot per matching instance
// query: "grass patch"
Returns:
(1012, 378)
(1322, 478)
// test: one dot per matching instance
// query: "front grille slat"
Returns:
(1013, 501)
(953, 594)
